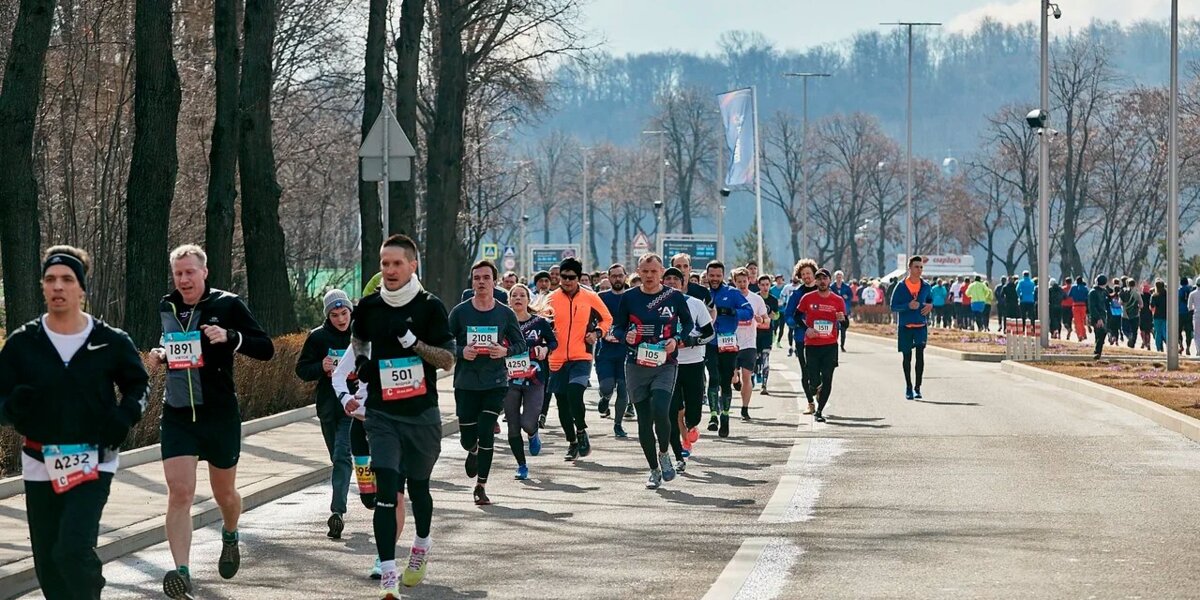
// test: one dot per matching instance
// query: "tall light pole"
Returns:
(1043, 256)
(583, 244)
(1173, 199)
(662, 180)
(803, 153)
(908, 232)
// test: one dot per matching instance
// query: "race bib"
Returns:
(401, 378)
(71, 464)
(823, 328)
(519, 366)
(183, 350)
(651, 355)
(727, 342)
(364, 474)
(482, 336)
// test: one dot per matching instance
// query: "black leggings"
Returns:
(478, 411)
(720, 367)
(804, 374)
(571, 412)
(689, 398)
(62, 533)
(391, 488)
(654, 425)
(822, 360)
(908, 354)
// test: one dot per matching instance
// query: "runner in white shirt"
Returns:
(747, 337)
(688, 399)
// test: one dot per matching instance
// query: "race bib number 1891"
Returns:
(183, 350)
(71, 464)
(401, 378)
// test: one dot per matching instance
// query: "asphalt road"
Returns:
(993, 487)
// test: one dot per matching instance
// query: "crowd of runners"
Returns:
(664, 341)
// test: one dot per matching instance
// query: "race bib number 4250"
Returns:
(401, 378)
(71, 464)
(183, 350)
(519, 366)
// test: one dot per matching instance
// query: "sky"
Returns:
(637, 26)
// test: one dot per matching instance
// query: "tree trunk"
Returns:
(20, 231)
(591, 241)
(369, 209)
(222, 156)
(403, 194)
(152, 171)
(266, 266)
(443, 258)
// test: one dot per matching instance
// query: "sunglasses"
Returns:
(568, 277)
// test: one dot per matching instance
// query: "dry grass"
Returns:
(264, 389)
(985, 342)
(1176, 390)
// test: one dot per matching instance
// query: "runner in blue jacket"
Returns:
(731, 308)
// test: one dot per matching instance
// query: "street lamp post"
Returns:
(803, 153)
(1173, 199)
(908, 234)
(583, 244)
(1043, 257)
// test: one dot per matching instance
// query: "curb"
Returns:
(18, 578)
(1180, 423)
(933, 350)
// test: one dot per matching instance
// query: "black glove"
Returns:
(725, 312)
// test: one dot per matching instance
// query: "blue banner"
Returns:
(737, 113)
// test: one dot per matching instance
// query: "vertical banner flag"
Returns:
(737, 113)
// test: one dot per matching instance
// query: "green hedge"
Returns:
(264, 389)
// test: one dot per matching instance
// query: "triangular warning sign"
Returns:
(399, 146)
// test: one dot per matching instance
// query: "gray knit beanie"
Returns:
(336, 299)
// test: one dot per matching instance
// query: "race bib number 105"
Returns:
(651, 355)
(401, 378)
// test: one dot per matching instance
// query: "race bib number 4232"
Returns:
(401, 378)
(183, 350)
(71, 464)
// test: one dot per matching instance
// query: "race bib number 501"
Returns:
(401, 378)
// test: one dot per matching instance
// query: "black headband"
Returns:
(68, 261)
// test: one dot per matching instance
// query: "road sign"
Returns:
(701, 247)
(544, 256)
(491, 251)
(510, 258)
(641, 245)
(386, 134)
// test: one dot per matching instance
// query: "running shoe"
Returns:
(541, 421)
(418, 564)
(764, 389)
(687, 445)
(377, 570)
(177, 586)
(655, 479)
(818, 418)
(522, 472)
(745, 413)
(336, 525)
(693, 435)
(712, 422)
(389, 586)
(789, 351)
(917, 393)
(231, 558)
(908, 394)
(685, 453)
(668, 469)
(629, 412)
(602, 408)
(535, 445)
(471, 465)
(812, 408)
(585, 445)
(681, 466)
(619, 431)
(481, 497)
(723, 431)
(572, 452)
(737, 384)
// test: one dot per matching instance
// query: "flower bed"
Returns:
(1177, 390)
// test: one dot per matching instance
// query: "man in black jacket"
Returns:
(57, 375)
(203, 328)
(323, 349)
(1098, 308)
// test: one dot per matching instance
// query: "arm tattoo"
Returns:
(434, 355)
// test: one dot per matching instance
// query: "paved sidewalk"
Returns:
(273, 463)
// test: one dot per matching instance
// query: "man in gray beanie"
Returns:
(323, 349)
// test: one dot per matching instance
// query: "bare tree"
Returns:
(403, 194)
(222, 157)
(688, 117)
(369, 209)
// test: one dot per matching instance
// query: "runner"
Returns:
(654, 321)
(841, 288)
(323, 349)
(765, 334)
(784, 297)
(202, 330)
(777, 324)
(720, 359)
(485, 333)
(688, 399)
(405, 333)
(683, 262)
(71, 422)
(806, 272)
(1098, 307)
(747, 339)
(913, 301)
(580, 318)
(610, 358)
(822, 310)
(527, 379)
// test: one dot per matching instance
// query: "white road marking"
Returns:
(758, 571)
